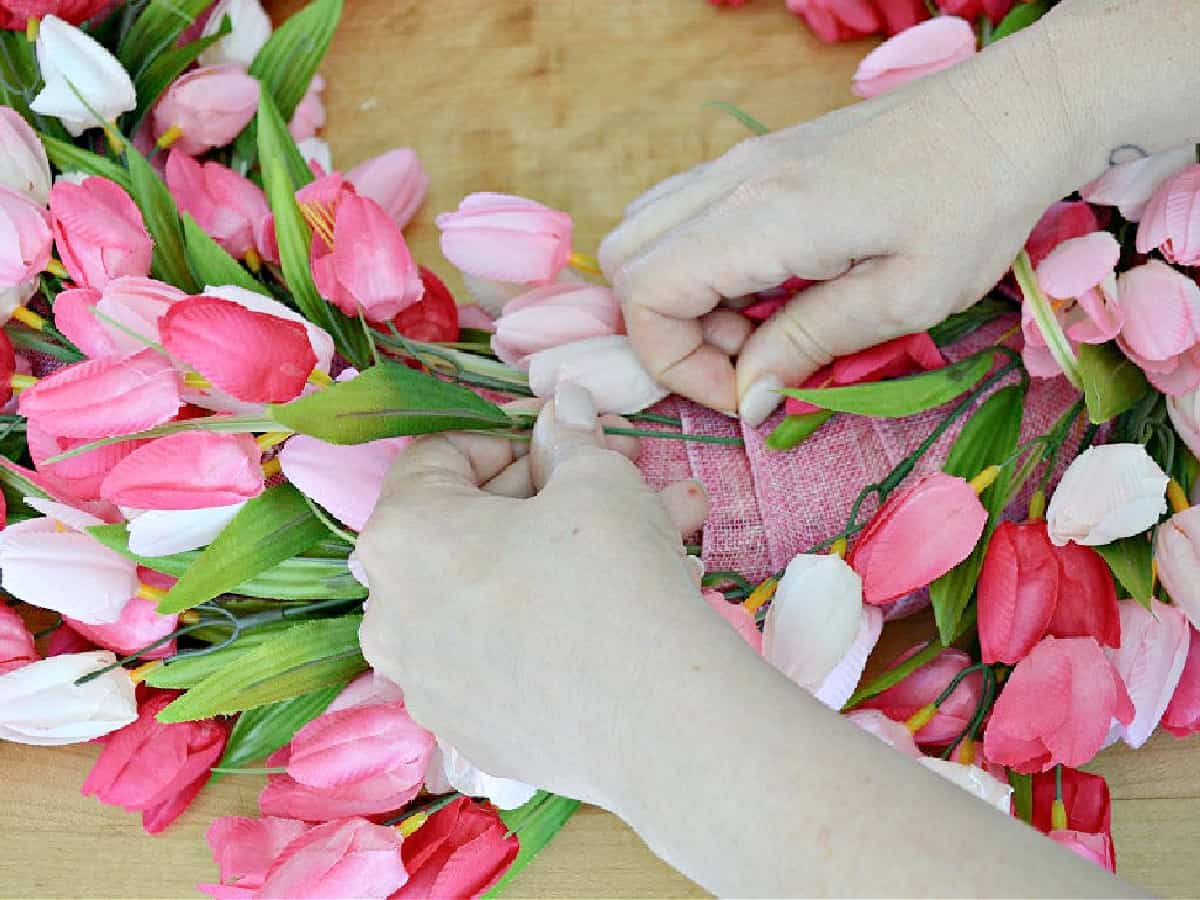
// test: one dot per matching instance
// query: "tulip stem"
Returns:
(981, 709)
(717, 439)
(273, 770)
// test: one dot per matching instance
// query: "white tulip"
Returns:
(1130, 185)
(23, 163)
(251, 29)
(974, 780)
(606, 367)
(315, 150)
(13, 297)
(1107, 493)
(86, 86)
(162, 532)
(839, 685)
(449, 770)
(40, 703)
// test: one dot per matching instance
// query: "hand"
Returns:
(525, 629)
(909, 207)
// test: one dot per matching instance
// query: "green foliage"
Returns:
(155, 78)
(261, 731)
(162, 221)
(155, 31)
(1112, 383)
(69, 158)
(211, 265)
(1021, 16)
(795, 430)
(1132, 562)
(970, 320)
(20, 81)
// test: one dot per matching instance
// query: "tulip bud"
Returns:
(251, 29)
(552, 315)
(930, 47)
(135, 303)
(40, 703)
(26, 249)
(205, 108)
(1017, 591)
(1171, 223)
(1161, 330)
(85, 86)
(395, 180)
(1107, 493)
(190, 470)
(345, 480)
(506, 238)
(23, 164)
(16, 643)
(450, 770)
(99, 231)
(461, 851)
(605, 366)
(974, 780)
(1130, 185)
(230, 208)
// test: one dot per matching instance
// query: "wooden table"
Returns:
(581, 105)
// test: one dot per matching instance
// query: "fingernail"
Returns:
(760, 400)
(574, 408)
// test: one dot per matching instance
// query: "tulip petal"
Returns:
(40, 703)
(163, 532)
(346, 480)
(1077, 265)
(1153, 652)
(190, 470)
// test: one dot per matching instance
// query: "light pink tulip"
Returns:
(346, 480)
(738, 617)
(449, 770)
(154, 768)
(309, 116)
(1171, 223)
(348, 858)
(99, 231)
(930, 47)
(25, 238)
(136, 303)
(16, 643)
(23, 164)
(206, 107)
(1084, 269)
(1129, 186)
(606, 367)
(506, 238)
(1107, 493)
(891, 732)
(244, 848)
(190, 470)
(395, 180)
(78, 478)
(1161, 307)
(1184, 411)
(230, 208)
(1095, 848)
(103, 397)
(1177, 554)
(552, 315)
(140, 625)
(1183, 712)
(1150, 660)
(40, 703)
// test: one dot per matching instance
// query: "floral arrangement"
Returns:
(215, 344)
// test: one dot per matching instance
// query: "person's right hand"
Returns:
(909, 206)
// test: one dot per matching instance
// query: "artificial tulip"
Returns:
(1130, 185)
(1085, 797)
(251, 28)
(244, 848)
(552, 315)
(922, 688)
(1161, 333)
(77, 478)
(23, 164)
(74, 11)
(163, 532)
(971, 10)
(13, 298)
(1150, 660)
(27, 238)
(99, 232)
(606, 367)
(318, 338)
(317, 153)
(1184, 412)
(345, 479)
(435, 317)
(461, 851)
(1017, 591)
(918, 535)
(309, 116)
(505, 238)
(1095, 848)
(1082, 271)
(154, 768)
(1107, 493)
(16, 643)
(1087, 597)
(1056, 707)
(1171, 223)
(85, 86)
(888, 730)
(254, 357)
(932, 46)
(189, 470)
(449, 771)
(395, 180)
(1182, 716)
(134, 303)
(40, 703)
(848, 20)
(139, 625)
(346, 858)
(739, 618)
(1062, 221)
(230, 208)
(205, 108)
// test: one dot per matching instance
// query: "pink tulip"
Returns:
(848, 20)
(1056, 707)
(74, 11)
(434, 318)
(26, 238)
(67, 640)
(895, 556)
(1162, 325)
(506, 238)
(1177, 554)
(552, 315)
(103, 397)
(346, 480)
(739, 619)
(40, 704)
(971, 10)
(23, 164)
(99, 231)
(1095, 848)
(1154, 649)
(318, 338)
(16, 643)
(244, 849)
(395, 180)
(255, 357)
(930, 47)
(1182, 716)
(1061, 222)
(1083, 269)
(923, 687)
(78, 478)
(189, 470)
(462, 851)
(1171, 223)
(153, 768)
(891, 732)
(140, 625)
(1087, 597)
(1086, 801)
(1129, 186)
(606, 367)
(1184, 412)
(309, 116)
(368, 266)
(230, 208)
(1017, 591)
(136, 303)
(205, 108)
(347, 858)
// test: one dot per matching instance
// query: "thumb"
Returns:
(567, 427)
(850, 313)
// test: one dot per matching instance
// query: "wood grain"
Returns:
(581, 105)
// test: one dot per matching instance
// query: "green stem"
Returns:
(678, 436)
(1047, 320)
(274, 770)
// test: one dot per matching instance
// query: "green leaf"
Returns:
(1022, 16)
(534, 824)
(297, 578)
(901, 396)
(751, 123)
(1111, 382)
(162, 221)
(795, 430)
(1132, 561)
(156, 30)
(219, 424)
(276, 142)
(69, 158)
(970, 320)
(20, 80)
(188, 671)
(169, 65)
(211, 264)
(387, 400)
(896, 674)
(1046, 318)
(989, 438)
(1022, 786)
(260, 732)
(273, 527)
(307, 657)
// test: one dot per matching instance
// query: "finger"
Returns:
(686, 503)
(430, 468)
(516, 481)
(665, 188)
(872, 303)
(567, 425)
(488, 456)
(726, 330)
(673, 351)
(627, 445)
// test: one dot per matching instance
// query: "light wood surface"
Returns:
(580, 105)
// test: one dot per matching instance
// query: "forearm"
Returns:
(754, 789)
